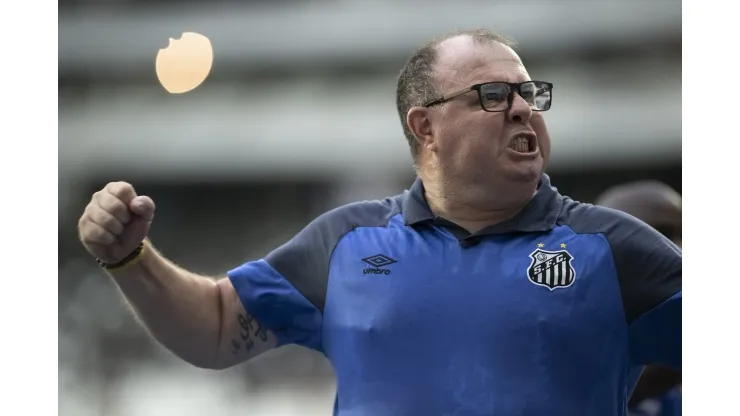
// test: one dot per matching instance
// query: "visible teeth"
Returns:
(520, 144)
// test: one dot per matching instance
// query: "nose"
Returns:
(519, 110)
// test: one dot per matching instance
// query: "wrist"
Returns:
(131, 259)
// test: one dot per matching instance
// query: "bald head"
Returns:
(653, 202)
(418, 84)
(463, 58)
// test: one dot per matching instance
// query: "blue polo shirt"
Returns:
(543, 314)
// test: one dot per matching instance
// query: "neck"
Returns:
(472, 209)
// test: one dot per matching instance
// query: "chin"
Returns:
(525, 172)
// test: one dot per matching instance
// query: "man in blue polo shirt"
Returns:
(479, 291)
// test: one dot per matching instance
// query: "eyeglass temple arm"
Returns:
(449, 96)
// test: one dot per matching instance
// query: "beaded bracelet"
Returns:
(128, 260)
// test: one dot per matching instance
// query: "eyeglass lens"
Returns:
(495, 95)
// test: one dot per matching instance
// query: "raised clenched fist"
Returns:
(115, 222)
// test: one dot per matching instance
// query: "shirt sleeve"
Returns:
(649, 269)
(285, 291)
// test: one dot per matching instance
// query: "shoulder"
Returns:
(304, 259)
(327, 229)
(622, 231)
(369, 213)
(629, 237)
(584, 218)
(648, 264)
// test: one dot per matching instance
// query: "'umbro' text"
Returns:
(376, 270)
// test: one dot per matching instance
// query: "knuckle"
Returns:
(113, 187)
(121, 186)
(118, 209)
(124, 185)
(92, 211)
(109, 203)
(122, 190)
(104, 219)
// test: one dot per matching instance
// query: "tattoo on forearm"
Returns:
(251, 331)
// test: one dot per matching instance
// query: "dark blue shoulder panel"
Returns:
(648, 264)
(304, 260)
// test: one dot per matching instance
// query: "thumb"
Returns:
(142, 206)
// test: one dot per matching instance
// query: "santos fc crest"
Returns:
(552, 269)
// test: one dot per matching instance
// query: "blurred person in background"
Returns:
(658, 391)
(480, 290)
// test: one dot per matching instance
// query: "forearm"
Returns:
(181, 310)
(200, 320)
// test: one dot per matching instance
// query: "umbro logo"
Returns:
(376, 262)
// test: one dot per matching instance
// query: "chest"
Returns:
(536, 291)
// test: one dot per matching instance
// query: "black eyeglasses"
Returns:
(498, 96)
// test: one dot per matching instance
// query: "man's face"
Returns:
(476, 145)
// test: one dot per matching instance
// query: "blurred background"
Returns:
(298, 116)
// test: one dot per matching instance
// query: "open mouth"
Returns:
(523, 143)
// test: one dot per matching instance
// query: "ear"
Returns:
(420, 123)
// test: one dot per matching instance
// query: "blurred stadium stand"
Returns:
(298, 116)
